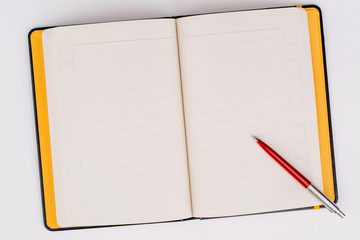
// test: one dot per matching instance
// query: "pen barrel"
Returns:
(330, 205)
(283, 163)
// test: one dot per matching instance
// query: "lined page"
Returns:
(116, 123)
(248, 73)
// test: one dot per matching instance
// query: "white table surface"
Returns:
(20, 198)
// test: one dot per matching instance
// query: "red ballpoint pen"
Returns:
(300, 178)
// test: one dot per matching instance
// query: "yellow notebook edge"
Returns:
(43, 132)
(322, 101)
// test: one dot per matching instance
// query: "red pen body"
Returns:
(283, 163)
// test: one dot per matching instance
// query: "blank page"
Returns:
(248, 73)
(116, 123)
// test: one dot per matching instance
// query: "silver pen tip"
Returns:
(340, 213)
(255, 138)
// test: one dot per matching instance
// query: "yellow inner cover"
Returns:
(43, 121)
(43, 128)
(321, 101)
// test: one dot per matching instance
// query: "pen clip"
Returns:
(328, 208)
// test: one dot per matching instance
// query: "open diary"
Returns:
(151, 120)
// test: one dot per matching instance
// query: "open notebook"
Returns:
(151, 120)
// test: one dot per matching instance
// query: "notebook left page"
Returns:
(116, 123)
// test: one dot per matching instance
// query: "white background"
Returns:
(20, 198)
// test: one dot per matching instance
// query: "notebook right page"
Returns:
(248, 73)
